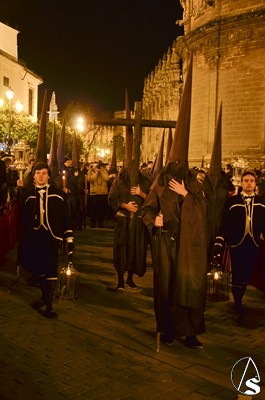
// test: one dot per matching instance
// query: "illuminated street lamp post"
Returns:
(10, 96)
(19, 108)
(80, 124)
(103, 154)
(80, 128)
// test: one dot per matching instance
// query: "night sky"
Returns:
(89, 51)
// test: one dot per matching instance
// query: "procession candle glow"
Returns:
(63, 179)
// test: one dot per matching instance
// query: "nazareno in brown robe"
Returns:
(179, 256)
(191, 280)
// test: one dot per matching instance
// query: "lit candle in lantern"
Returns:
(216, 276)
(64, 183)
(68, 271)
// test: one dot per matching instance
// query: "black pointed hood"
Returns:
(113, 164)
(180, 146)
(41, 149)
(158, 163)
(215, 169)
(129, 134)
(61, 147)
(75, 153)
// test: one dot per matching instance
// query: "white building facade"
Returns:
(14, 75)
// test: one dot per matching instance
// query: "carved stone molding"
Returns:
(214, 40)
(195, 8)
(198, 8)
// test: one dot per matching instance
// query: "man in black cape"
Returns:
(242, 229)
(45, 223)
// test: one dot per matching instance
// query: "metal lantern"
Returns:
(218, 285)
(68, 282)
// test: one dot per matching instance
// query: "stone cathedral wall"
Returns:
(227, 39)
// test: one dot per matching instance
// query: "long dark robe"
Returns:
(164, 248)
(217, 197)
(129, 247)
(179, 258)
(192, 267)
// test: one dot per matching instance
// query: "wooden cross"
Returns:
(138, 123)
(152, 123)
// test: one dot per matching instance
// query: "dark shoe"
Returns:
(240, 310)
(120, 289)
(131, 285)
(38, 304)
(34, 281)
(168, 340)
(193, 343)
(50, 314)
(240, 314)
(240, 319)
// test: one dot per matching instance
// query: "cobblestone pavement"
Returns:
(102, 345)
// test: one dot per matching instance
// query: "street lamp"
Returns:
(10, 96)
(103, 153)
(19, 108)
(80, 124)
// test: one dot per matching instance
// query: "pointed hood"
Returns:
(75, 154)
(180, 146)
(169, 144)
(218, 182)
(113, 165)
(158, 163)
(53, 162)
(129, 134)
(41, 149)
(215, 168)
(61, 147)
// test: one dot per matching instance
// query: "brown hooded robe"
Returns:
(179, 256)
